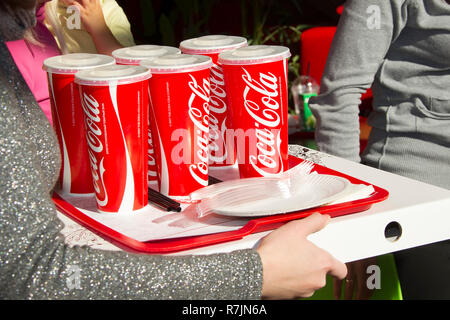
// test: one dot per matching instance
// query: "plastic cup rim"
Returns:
(129, 60)
(128, 79)
(213, 49)
(255, 60)
(73, 69)
(177, 69)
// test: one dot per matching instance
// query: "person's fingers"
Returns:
(314, 223)
(308, 295)
(337, 269)
(90, 1)
(302, 259)
(84, 3)
(77, 5)
(317, 222)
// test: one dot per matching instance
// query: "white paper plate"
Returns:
(316, 193)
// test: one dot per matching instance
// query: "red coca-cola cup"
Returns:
(133, 56)
(115, 104)
(256, 86)
(212, 46)
(67, 114)
(179, 119)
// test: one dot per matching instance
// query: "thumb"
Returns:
(314, 223)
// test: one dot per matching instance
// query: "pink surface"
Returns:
(29, 59)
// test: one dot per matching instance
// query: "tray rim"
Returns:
(258, 224)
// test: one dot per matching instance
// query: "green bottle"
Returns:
(303, 88)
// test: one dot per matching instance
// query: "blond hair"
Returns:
(31, 37)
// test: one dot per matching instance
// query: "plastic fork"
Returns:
(304, 168)
(283, 190)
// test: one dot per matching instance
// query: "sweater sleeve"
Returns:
(35, 262)
(363, 37)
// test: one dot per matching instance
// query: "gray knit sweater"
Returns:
(402, 49)
(34, 260)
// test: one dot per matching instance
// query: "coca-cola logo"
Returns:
(151, 157)
(217, 88)
(95, 146)
(261, 104)
(199, 115)
(217, 106)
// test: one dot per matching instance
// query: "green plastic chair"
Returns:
(390, 285)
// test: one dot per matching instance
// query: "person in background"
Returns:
(402, 49)
(102, 26)
(35, 262)
(39, 43)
